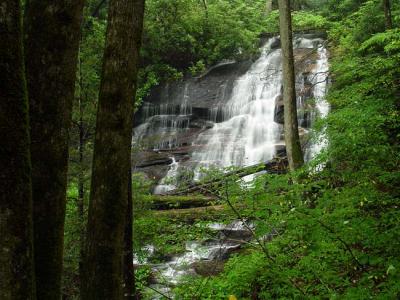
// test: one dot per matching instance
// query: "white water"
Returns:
(248, 133)
(171, 272)
(244, 131)
(168, 182)
(163, 122)
(320, 82)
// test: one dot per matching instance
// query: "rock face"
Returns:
(178, 119)
(201, 93)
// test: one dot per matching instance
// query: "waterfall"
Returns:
(320, 84)
(163, 122)
(248, 133)
(240, 122)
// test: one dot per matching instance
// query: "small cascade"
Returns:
(320, 84)
(228, 239)
(168, 183)
(163, 122)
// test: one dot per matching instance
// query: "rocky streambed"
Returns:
(201, 258)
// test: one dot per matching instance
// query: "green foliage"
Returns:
(167, 235)
(387, 42)
(331, 233)
(72, 245)
(197, 68)
(184, 35)
(301, 21)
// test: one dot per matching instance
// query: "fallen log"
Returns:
(274, 166)
(168, 202)
(191, 215)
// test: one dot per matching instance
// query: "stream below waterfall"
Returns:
(199, 254)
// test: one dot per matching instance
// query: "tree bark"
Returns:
(52, 30)
(111, 161)
(292, 139)
(388, 14)
(16, 248)
(129, 272)
(96, 10)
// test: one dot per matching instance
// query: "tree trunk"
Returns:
(81, 184)
(16, 249)
(52, 36)
(129, 272)
(97, 9)
(268, 7)
(111, 160)
(388, 14)
(292, 139)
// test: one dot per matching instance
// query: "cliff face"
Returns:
(186, 121)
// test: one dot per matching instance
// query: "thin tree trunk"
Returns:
(52, 30)
(388, 14)
(268, 7)
(292, 139)
(111, 160)
(16, 249)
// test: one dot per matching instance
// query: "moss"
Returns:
(190, 215)
(170, 202)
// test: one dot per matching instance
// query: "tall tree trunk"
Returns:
(111, 160)
(129, 272)
(292, 140)
(388, 14)
(52, 30)
(16, 249)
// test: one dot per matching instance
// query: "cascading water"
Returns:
(241, 123)
(248, 133)
(168, 182)
(320, 83)
(162, 122)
